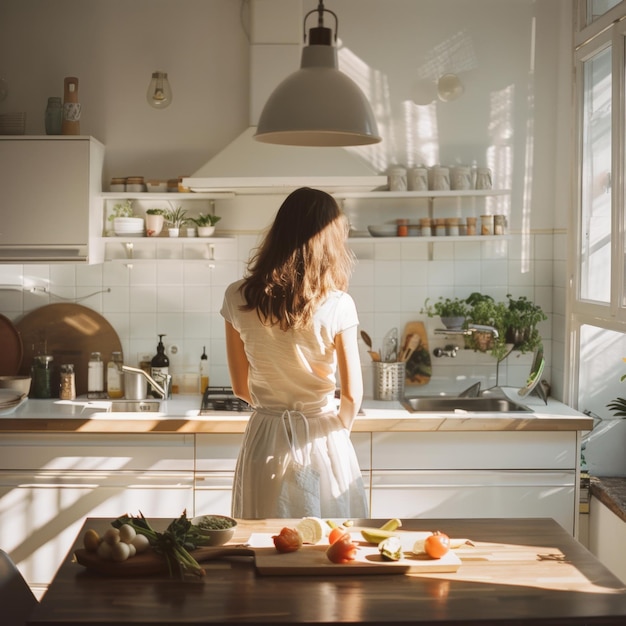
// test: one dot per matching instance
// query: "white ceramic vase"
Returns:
(174, 232)
(205, 231)
(154, 225)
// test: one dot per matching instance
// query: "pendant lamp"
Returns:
(318, 105)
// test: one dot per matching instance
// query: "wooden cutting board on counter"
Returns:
(310, 560)
(418, 365)
(70, 333)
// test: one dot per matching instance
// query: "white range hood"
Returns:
(249, 166)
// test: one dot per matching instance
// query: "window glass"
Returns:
(595, 236)
(597, 8)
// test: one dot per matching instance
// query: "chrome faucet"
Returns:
(164, 391)
(484, 329)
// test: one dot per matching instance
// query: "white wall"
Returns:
(514, 116)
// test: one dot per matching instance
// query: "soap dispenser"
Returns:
(160, 364)
(204, 371)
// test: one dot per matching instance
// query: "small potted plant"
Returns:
(205, 224)
(155, 218)
(522, 318)
(124, 221)
(452, 311)
(176, 218)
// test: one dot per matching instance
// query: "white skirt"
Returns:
(263, 473)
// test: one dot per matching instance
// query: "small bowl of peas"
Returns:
(218, 529)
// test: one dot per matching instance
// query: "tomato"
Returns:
(437, 545)
(336, 533)
(289, 540)
(343, 550)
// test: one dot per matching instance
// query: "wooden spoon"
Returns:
(375, 356)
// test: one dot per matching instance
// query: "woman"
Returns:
(290, 325)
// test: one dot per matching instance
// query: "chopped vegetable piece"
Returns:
(437, 545)
(391, 549)
(289, 540)
(343, 550)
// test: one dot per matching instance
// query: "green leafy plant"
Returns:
(485, 311)
(177, 218)
(157, 212)
(205, 220)
(122, 209)
(618, 406)
(522, 318)
(445, 307)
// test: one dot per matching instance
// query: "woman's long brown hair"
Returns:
(301, 260)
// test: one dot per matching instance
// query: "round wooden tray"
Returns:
(70, 333)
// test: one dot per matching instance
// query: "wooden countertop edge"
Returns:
(217, 425)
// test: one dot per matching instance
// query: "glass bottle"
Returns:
(54, 116)
(115, 376)
(95, 376)
(160, 364)
(204, 371)
(67, 387)
(42, 376)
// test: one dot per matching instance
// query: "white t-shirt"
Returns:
(293, 369)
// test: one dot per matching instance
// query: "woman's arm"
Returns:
(351, 378)
(238, 365)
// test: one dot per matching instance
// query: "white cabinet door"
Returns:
(42, 513)
(459, 494)
(50, 188)
(50, 483)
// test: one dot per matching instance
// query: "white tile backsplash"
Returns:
(182, 297)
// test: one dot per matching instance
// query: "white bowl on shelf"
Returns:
(128, 225)
(383, 230)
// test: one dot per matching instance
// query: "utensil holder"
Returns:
(389, 380)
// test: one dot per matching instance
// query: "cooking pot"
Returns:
(135, 385)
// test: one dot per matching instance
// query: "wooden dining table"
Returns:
(512, 571)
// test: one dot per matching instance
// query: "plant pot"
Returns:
(173, 232)
(205, 231)
(154, 225)
(453, 323)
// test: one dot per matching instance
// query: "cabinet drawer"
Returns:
(473, 494)
(474, 450)
(84, 452)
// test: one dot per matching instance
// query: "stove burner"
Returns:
(221, 399)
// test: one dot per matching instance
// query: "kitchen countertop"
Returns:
(181, 415)
(611, 491)
(518, 571)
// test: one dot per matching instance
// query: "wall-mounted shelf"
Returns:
(389, 195)
(419, 239)
(173, 196)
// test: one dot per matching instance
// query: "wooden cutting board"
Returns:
(11, 348)
(70, 333)
(419, 365)
(310, 560)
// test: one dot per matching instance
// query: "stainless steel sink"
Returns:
(463, 405)
(135, 406)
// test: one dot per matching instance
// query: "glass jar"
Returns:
(499, 224)
(483, 178)
(397, 179)
(67, 386)
(42, 376)
(486, 224)
(115, 376)
(54, 116)
(403, 228)
(95, 376)
(470, 229)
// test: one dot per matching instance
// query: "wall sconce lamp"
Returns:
(318, 105)
(159, 94)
